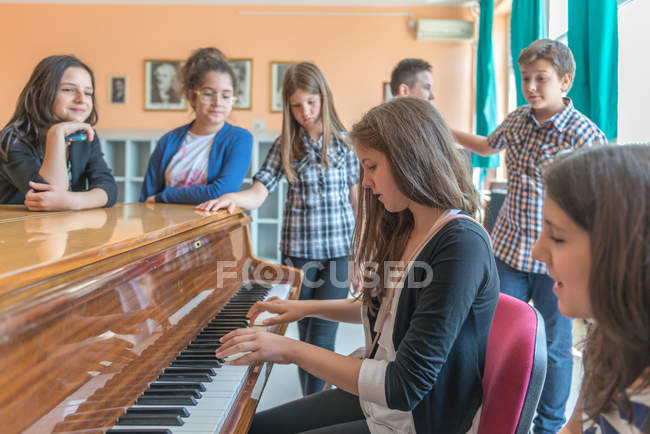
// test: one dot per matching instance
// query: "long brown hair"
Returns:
(606, 190)
(307, 77)
(33, 116)
(427, 168)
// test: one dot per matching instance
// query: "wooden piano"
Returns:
(100, 311)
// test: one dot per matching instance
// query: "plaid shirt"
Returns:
(318, 217)
(529, 147)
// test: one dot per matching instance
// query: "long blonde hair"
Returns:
(307, 77)
(427, 168)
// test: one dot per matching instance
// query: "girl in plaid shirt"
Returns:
(318, 221)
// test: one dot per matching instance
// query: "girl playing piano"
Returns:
(596, 243)
(430, 289)
(318, 221)
(40, 165)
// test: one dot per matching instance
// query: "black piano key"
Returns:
(210, 331)
(185, 377)
(204, 347)
(213, 331)
(157, 411)
(139, 431)
(237, 321)
(205, 340)
(216, 327)
(197, 353)
(173, 392)
(177, 385)
(207, 337)
(202, 363)
(165, 400)
(189, 370)
(150, 420)
(228, 324)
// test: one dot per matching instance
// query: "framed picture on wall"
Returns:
(387, 93)
(277, 76)
(162, 87)
(117, 89)
(244, 70)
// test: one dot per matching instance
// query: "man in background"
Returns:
(412, 77)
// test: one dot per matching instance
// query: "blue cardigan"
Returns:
(230, 158)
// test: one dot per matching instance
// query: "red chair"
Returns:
(515, 368)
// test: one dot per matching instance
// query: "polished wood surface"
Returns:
(88, 322)
(35, 246)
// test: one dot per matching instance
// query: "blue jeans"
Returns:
(323, 279)
(539, 288)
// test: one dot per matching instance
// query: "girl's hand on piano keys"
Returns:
(286, 310)
(256, 344)
(226, 201)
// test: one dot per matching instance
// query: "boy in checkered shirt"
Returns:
(532, 136)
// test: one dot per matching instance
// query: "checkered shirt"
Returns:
(318, 217)
(529, 147)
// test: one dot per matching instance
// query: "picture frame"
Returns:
(117, 89)
(387, 93)
(244, 70)
(278, 70)
(163, 90)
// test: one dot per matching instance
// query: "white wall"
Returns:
(634, 72)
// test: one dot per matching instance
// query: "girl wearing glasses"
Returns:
(318, 222)
(207, 157)
(40, 165)
(595, 240)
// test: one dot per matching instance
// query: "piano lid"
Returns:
(35, 246)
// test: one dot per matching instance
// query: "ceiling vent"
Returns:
(445, 30)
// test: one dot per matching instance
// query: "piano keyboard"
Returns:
(194, 394)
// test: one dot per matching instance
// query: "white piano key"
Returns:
(198, 426)
(235, 356)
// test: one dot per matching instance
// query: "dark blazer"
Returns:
(88, 170)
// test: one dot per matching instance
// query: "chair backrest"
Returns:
(515, 368)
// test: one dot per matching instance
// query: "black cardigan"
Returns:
(441, 331)
(87, 166)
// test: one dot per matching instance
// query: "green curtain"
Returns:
(486, 90)
(593, 39)
(527, 24)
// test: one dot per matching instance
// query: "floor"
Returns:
(283, 385)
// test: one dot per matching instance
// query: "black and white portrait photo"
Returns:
(117, 89)
(162, 85)
(244, 70)
(278, 70)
